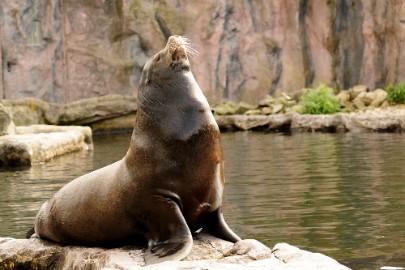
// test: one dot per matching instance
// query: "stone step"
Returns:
(40, 143)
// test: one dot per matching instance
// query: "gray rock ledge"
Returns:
(376, 121)
(208, 253)
(40, 143)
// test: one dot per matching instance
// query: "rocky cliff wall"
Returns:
(66, 50)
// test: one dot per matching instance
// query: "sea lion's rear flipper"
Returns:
(170, 237)
(215, 225)
(30, 233)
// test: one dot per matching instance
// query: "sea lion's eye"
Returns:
(158, 58)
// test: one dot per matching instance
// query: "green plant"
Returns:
(396, 93)
(321, 100)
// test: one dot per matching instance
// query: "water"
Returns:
(339, 194)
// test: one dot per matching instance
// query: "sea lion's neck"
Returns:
(177, 109)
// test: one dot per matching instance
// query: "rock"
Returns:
(379, 123)
(247, 49)
(290, 254)
(253, 112)
(368, 98)
(290, 103)
(358, 102)
(380, 96)
(120, 123)
(286, 96)
(208, 252)
(6, 121)
(41, 143)
(251, 248)
(390, 119)
(38, 129)
(278, 122)
(231, 108)
(267, 101)
(357, 90)
(344, 98)
(251, 122)
(31, 111)
(96, 109)
(350, 108)
(63, 55)
(225, 108)
(323, 123)
(281, 100)
(385, 104)
(267, 110)
(295, 109)
(226, 122)
(374, 98)
(277, 108)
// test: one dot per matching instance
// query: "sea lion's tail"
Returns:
(30, 233)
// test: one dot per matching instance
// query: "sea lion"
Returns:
(170, 182)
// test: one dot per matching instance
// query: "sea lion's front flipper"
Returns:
(215, 225)
(170, 237)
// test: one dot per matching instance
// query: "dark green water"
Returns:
(339, 194)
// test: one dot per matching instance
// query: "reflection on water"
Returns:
(23, 191)
(339, 194)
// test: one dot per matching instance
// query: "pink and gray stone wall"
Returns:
(66, 50)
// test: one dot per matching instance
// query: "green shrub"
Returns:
(396, 93)
(321, 100)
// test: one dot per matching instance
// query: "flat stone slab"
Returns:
(391, 120)
(40, 143)
(208, 253)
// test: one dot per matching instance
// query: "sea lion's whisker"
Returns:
(191, 51)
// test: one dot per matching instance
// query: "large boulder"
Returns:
(379, 98)
(344, 98)
(208, 252)
(31, 111)
(92, 110)
(357, 90)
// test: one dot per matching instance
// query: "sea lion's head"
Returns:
(168, 65)
(169, 96)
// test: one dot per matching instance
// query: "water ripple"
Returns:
(339, 194)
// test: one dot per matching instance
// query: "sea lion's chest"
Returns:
(193, 161)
